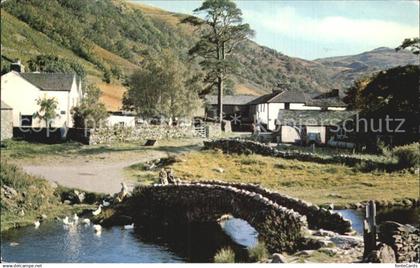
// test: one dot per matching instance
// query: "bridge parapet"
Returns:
(282, 229)
(317, 217)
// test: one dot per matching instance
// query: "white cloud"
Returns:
(332, 29)
(415, 2)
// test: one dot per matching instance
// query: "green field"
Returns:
(316, 183)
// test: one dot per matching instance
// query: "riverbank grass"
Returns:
(25, 198)
(258, 253)
(313, 182)
(225, 255)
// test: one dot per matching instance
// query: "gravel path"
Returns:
(101, 176)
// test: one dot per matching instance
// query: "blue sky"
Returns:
(317, 29)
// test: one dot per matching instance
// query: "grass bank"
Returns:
(39, 152)
(25, 198)
(316, 183)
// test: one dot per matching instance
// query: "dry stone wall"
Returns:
(6, 124)
(140, 133)
(145, 132)
(241, 146)
(403, 239)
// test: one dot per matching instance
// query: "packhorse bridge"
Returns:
(280, 220)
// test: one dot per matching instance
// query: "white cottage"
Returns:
(268, 108)
(296, 115)
(21, 91)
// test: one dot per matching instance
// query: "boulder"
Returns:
(346, 242)
(325, 233)
(220, 170)
(9, 192)
(53, 184)
(329, 251)
(384, 254)
(278, 258)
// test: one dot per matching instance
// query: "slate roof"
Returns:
(327, 102)
(327, 99)
(5, 106)
(264, 98)
(286, 96)
(50, 81)
(289, 96)
(231, 99)
(314, 117)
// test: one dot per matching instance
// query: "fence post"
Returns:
(369, 228)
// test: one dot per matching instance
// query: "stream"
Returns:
(198, 243)
(54, 242)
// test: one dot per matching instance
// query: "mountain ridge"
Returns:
(119, 33)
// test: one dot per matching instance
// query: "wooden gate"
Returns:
(202, 131)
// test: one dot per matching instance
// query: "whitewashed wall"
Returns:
(22, 96)
(302, 106)
(289, 135)
(128, 121)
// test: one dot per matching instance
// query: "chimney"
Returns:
(17, 67)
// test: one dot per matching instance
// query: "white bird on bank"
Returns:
(128, 227)
(105, 203)
(75, 218)
(37, 224)
(97, 228)
(66, 221)
(98, 211)
(86, 221)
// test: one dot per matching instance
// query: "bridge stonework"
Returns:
(317, 217)
(281, 229)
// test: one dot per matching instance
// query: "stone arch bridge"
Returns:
(281, 221)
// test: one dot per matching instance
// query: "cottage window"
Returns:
(62, 112)
(287, 106)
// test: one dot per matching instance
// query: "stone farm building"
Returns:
(20, 91)
(289, 113)
(6, 121)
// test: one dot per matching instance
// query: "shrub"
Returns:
(258, 252)
(225, 255)
(107, 76)
(408, 155)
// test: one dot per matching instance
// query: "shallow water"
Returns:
(241, 232)
(53, 242)
(400, 215)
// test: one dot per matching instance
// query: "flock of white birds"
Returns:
(85, 221)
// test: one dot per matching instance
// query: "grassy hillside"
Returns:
(107, 34)
(20, 41)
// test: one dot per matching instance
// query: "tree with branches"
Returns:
(163, 87)
(91, 112)
(47, 110)
(220, 33)
(413, 44)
